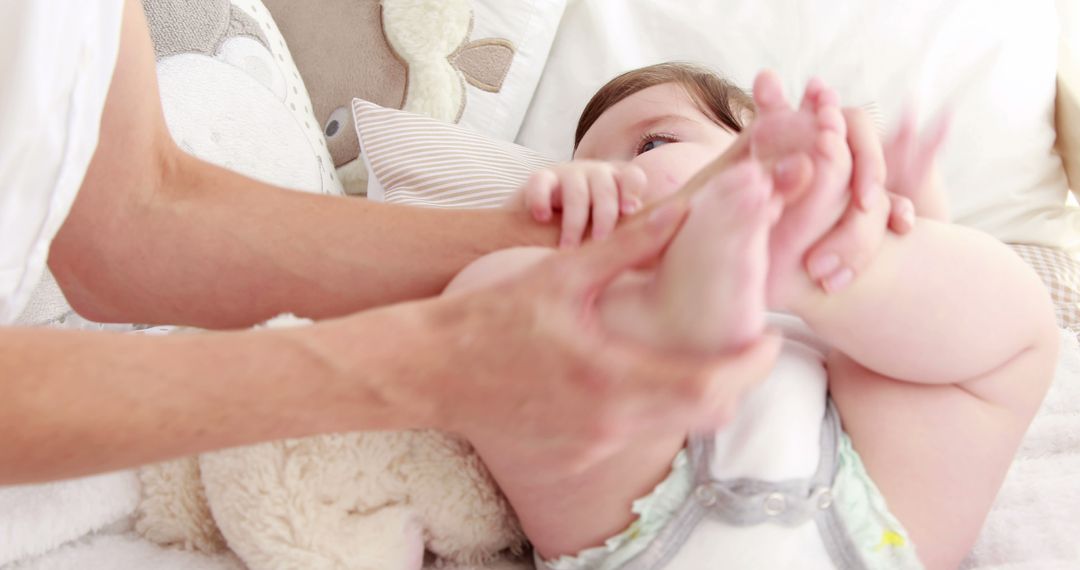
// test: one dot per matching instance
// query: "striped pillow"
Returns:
(1061, 274)
(420, 161)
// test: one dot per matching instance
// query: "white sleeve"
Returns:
(56, 63)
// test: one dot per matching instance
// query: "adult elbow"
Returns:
(82, 281)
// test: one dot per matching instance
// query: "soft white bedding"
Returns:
(1034, 524)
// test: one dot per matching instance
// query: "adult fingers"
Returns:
(845, 251)
(901, 214)
(700, 392)
(925, 154)
(867, 155)
(898, 151)
(590, 269)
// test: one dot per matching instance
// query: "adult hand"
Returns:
(837, 258)
(536, 367)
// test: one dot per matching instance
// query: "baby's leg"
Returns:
(940, 452)
(707, 294)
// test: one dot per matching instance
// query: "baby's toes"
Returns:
(769, 93)
(829, 115)
(832, 153)
(812, 94)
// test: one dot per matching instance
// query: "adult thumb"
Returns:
(632, 245)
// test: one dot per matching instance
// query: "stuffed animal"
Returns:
(357, 501)
(231, 96)
(351, 501)
(414, 55)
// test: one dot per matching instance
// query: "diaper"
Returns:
(851, 526)
(780, 487)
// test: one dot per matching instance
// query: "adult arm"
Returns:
(79, 402)
(158, 236)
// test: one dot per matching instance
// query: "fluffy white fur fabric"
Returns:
(371, 500)
(425, 33)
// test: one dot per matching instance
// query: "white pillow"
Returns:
(993, 63)
(232, 95)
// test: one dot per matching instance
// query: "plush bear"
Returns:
(356, 501)
(414, 55)
(350, 501)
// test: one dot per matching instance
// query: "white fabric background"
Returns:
(992, 62)
(56, 61)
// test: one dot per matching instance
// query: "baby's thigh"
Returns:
(496, 266)
(937, 453)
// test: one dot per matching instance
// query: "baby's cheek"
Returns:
(664, 179)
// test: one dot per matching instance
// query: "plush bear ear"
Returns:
(215, 21)
(484, 63)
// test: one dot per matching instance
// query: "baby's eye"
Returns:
(652, 141)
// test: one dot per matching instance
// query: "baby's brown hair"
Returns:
(721, 100)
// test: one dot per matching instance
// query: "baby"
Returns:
(894, 410)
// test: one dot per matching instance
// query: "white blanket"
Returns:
(35, 519)
(1034, 524)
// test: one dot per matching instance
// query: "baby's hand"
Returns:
(605, 190)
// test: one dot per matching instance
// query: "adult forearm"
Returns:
(157, 236)
(216, 249)
(942, 304)
(76, 402)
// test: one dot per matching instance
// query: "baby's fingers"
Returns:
(540, 194)
(574, 188)
(632, 181)
(605, 202)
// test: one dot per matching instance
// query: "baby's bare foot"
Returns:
(710, 286)
(817, 129)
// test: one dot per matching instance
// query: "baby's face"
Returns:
(661, 130)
